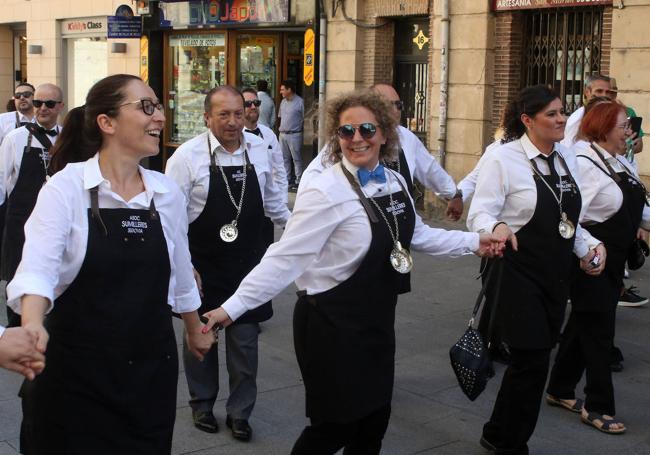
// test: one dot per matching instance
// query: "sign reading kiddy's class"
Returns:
(84, 26)
(509, 5)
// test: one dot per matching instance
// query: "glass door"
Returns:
(87, 63)
(258, 55)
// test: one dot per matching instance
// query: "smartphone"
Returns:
(595, 261)
(635, 124)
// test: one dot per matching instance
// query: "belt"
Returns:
(291, 132)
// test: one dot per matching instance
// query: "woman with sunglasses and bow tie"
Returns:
(347, 248)
(105, 263)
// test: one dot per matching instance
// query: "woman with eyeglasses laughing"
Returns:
(105, 262)
(347, 247)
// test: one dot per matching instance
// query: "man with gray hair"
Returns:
(595, 85)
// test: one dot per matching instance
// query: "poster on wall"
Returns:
(509, 5)
(196, 13)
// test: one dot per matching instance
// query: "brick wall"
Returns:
(507, 61)
(606, 44)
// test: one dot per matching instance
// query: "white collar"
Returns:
(531, 150)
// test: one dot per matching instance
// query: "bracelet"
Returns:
(500, 222)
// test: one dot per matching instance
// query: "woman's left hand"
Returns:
(587, 266)
(642, 234)
(490, 246)
(200, 342)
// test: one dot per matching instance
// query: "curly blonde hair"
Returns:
(380, 108)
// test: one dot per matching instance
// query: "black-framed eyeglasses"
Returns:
(249, 103)
(366, 130)
(148, 106)
(49, 103)
(399, 105)
(19, 95)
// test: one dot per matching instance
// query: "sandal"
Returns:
(576, 407)
(606, 423)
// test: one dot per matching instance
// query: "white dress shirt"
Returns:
(8, 122)
(189, 167)
(11, 156)
(468, 184)
(277, 162)
(601, 195)
(506, 190)
(422, 166)
(327, 237)
(572, 127)
(56, 233)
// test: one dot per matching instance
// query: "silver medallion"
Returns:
(400, 259)
(566, 228)
(229, 232)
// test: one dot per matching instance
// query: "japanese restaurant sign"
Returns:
(196, 13)
(508, 5)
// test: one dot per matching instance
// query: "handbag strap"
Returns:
(481, 295)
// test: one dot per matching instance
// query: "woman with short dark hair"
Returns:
(613, 201)
(527, 194)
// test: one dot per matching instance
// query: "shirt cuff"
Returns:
(234, 307)
(2, 330)
(474, 241)
(187, 303)
(28, 284)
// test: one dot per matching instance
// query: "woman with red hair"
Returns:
(613, 199)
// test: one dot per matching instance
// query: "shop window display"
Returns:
(257, 60)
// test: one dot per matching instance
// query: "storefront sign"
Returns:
(197, 40)
(310, 49)
(508, 5)
(195, 13)
(84, 26)
(124, 27)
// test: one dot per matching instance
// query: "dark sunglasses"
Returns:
(250, 103)
(25, 95)
(366, 130)
(148, 106)
(49, 103)
(399, 105)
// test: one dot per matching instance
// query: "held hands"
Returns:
(18, 352)
(215, 317)
(199, 342)
(490, 246)
(642, 234)
(503, 233)
(455, 208)
(41, 338)
(587, 261)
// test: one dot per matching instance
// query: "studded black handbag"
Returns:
(470, 357)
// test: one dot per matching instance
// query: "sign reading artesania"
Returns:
(506, 5)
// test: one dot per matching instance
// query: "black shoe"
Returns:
(616, 367)
(240, 428)
(487, 445)
(205, 421)
(631, 298)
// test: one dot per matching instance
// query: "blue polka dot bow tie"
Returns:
(378, 175)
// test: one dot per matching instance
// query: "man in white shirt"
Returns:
(226, 176)
(267, 109)
(24, 161)
(24, 113)
(595, 85)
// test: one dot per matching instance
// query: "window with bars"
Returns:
(561, 47)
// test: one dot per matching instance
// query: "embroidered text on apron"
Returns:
(345, 337)
(110, 382)
(536, 278)
(223, 265)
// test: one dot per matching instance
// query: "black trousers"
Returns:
(517, 406)
(361, 437)
(585, 348)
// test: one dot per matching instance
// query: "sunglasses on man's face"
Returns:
(250, 103)
(347, 132)
(25, 95)
(49, 103)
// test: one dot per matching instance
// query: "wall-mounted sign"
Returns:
(310, 49)
(509, 5)
(196, 13)
(124, 27)
(84, 26)
(144, 59)
(143, 7)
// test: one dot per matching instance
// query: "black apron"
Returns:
(223, 265)
(109, 385)
(345, 337)
(536, 278)
(22, 200)
(600, 293)
(402, 166)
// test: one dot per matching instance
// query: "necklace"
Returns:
(400, 258)
(229, 232)
(565, 227)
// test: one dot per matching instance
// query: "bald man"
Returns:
(24, 160)
(414, 160)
